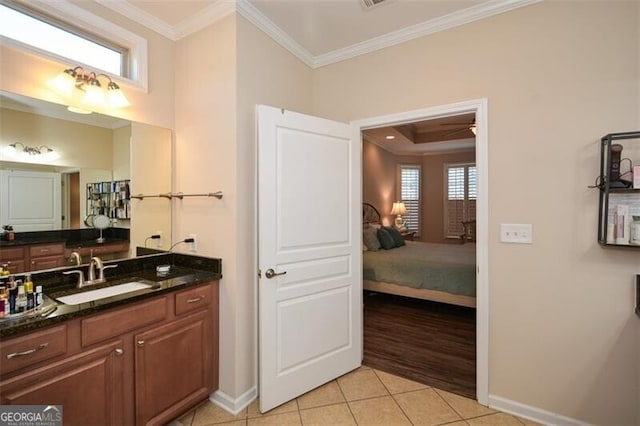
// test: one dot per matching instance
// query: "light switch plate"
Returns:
(518, 233)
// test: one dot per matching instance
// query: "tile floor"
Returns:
(363, 397)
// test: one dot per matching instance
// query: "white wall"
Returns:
(558, 76)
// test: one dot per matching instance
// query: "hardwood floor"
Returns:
(428, 342)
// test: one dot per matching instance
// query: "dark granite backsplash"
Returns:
(55, 279)
(71, 237)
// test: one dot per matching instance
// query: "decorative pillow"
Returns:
(370, 239)
(395, 234)
(386, 240)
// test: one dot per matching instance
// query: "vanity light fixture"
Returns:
(18, 149)
(31, 150)
(76, 82)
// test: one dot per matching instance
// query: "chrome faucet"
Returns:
(96, 262)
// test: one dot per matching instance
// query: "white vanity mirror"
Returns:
(88, 151)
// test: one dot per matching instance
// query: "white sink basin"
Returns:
(102, 293)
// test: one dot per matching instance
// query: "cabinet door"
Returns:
(87, 385)
(173, 368)
(48, 262)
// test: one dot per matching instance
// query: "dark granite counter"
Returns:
(72, 238)
(185, 271)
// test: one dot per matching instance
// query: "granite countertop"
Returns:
(72, 238)
(185, 271)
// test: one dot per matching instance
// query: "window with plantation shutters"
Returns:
(460, 201)
(409, 194)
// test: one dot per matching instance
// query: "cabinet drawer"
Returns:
(34, 347)
(104, 326)
(46, 250)
(192, 299)
(12, 253)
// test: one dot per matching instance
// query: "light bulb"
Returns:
(94, 95)
(116, 99)
(64, 83)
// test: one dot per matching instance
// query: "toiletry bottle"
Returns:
(21, 298)
(28, 289)
(38, 295)
(4, 301)
(13, 293)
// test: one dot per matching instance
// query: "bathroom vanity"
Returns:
(143, 357)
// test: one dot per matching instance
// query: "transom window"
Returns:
(49, 35)
(460, 201)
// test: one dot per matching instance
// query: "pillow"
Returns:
(386, 240)
(370, 239)
(395, 234)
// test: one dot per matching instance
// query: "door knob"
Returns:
(270, 273)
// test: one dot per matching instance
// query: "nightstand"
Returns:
(408, 235)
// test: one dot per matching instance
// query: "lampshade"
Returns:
(84, 89)
(398, 208)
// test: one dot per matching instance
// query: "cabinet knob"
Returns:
(119, 351)
(140, 343)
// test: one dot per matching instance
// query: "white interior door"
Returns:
(310, 256)
(30, 201)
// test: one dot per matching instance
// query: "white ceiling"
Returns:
(319, 32)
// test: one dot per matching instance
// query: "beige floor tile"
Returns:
(528, 422)
(361, 384)
(497, 419)
(338, 414)
(458, 423)
(426, 407)
(327, 394)
(187, 419)
(378, 411)
(209, 413)
(283, 419)
(254, 409)
(397, 384)
(466, 407)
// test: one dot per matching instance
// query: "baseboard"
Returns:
(234, 405)
(532, 413)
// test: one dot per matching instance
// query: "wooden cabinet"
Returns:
(14, 258)
(144, 363)
(88, 385)
(46, 256)
(173, 368)
(33, 257)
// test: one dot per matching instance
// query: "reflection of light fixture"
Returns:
(398, 209)
(72, 81)
(473, 128)
(35, 153)
(389, 137)
(31, 150)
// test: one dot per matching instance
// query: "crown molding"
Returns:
(138, 15)
(432, 26)
(257, 18)
(222, 8)
(206, 17)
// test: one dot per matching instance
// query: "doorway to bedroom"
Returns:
(421, 180)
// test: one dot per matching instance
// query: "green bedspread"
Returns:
(444, 267)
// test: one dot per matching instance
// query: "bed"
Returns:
(440, 272)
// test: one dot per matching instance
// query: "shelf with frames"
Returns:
(617, 190)
(110, 198)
